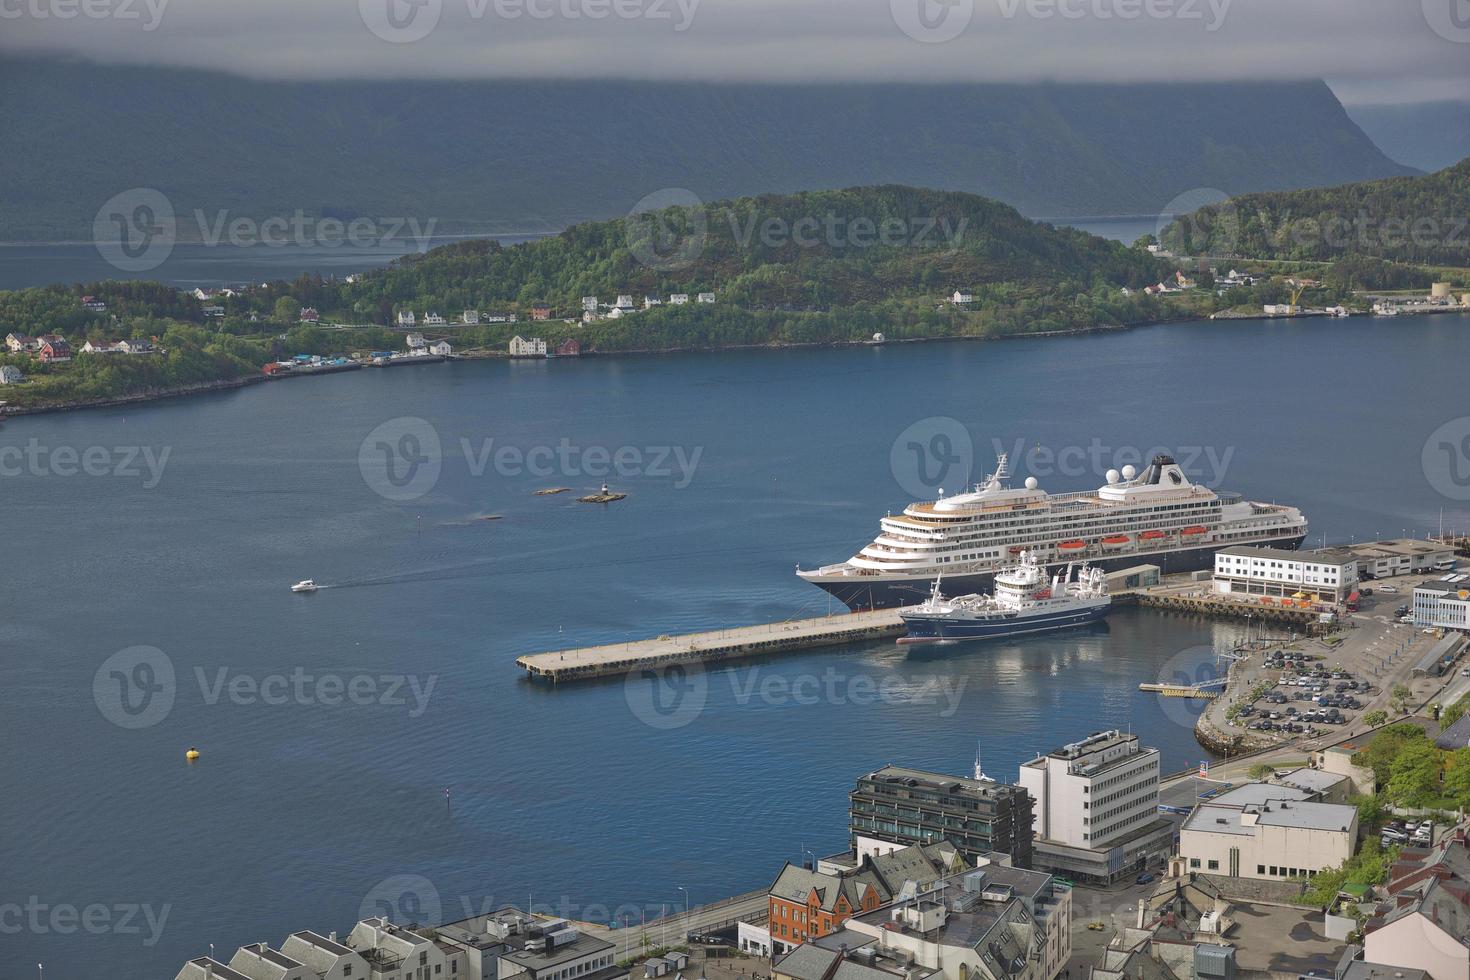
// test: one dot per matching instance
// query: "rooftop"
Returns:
(1311, 780)
(1397, 547)
(918, 778)
(540, 960)
(1329, 556)
(1213, 818)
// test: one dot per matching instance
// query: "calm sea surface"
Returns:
(601, 798)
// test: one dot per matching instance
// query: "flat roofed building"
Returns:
(862, 960)
(1330, 574)
(895, 806)
(1444, 604)
(1400, 556)
(1270, 832)
(1095, 809)
(576, 955)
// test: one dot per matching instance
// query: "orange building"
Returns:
(806, 904)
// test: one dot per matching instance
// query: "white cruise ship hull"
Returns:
(860, 589)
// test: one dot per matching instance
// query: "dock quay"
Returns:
(1228, 608)
(711, 647)
(1208, 691)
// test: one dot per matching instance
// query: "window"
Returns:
(1214, 865)
(1194, 862)
(1260, 869)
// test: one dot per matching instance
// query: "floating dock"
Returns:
(1184, 690)
(713, 647)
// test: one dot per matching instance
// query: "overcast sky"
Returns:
(1369, 50)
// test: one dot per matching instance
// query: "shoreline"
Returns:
(140, 398)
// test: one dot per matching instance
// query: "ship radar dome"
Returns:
(1031, 483)
(1129, 472)
(1114, 476)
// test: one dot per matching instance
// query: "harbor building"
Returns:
(1401, 556)
(895, 807)
(992, 923)
(1328, 575)
(809, 903)
(1443, 604)
(1095, 810)
(1267, 832)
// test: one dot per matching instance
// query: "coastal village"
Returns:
(1339, 849)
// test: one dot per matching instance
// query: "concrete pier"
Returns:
(713, 647)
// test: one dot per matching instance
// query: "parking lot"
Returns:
(1309, 698)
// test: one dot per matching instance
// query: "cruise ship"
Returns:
(1157, 517)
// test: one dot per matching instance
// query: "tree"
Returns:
(286, 310)
(1262, 770)
(1385, 748)
(1375, 717)
(1414, 774)
(1457, 777)
(1401, 695)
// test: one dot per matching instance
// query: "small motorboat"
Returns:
(305, 585)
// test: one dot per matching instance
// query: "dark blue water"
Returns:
(188, 265)
(601, 799)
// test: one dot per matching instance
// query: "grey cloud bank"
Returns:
(1417, 54)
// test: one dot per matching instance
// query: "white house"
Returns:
(260, 962)
(706, 297)
(135, 346)
(472, 317)
(527, 347)
(617, 313)
(678, 299)
(18, 342)
(10, 375)
(406, 318)
(441, 348)
(589, 304)
(960, 298)
(415, 340)
(625, 301)
(326, 957)
(379, 940)
(434, 319)
(101, 347)
(214, 311)
(649, 302)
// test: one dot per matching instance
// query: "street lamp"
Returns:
(686, 907)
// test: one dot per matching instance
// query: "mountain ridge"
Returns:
(488, 156)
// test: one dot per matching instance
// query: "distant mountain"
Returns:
(1421, 220)
(501, 156)
(1427, 135)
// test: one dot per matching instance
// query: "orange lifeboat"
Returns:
(1015, 549)
(1076, 544)
(1152, 535)
(1115, 540)
(1191, 531)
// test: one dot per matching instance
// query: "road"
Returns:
(673, 929)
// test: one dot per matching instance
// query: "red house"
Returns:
(569, 348)
(54, 348)
(540, 311)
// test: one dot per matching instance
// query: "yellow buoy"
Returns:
(192, 754)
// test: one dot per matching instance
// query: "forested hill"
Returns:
(503, 156)
(812, 250)
(1418, 220)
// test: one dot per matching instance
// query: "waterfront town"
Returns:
(1330, 842)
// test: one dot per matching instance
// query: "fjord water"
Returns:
(603, 797)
